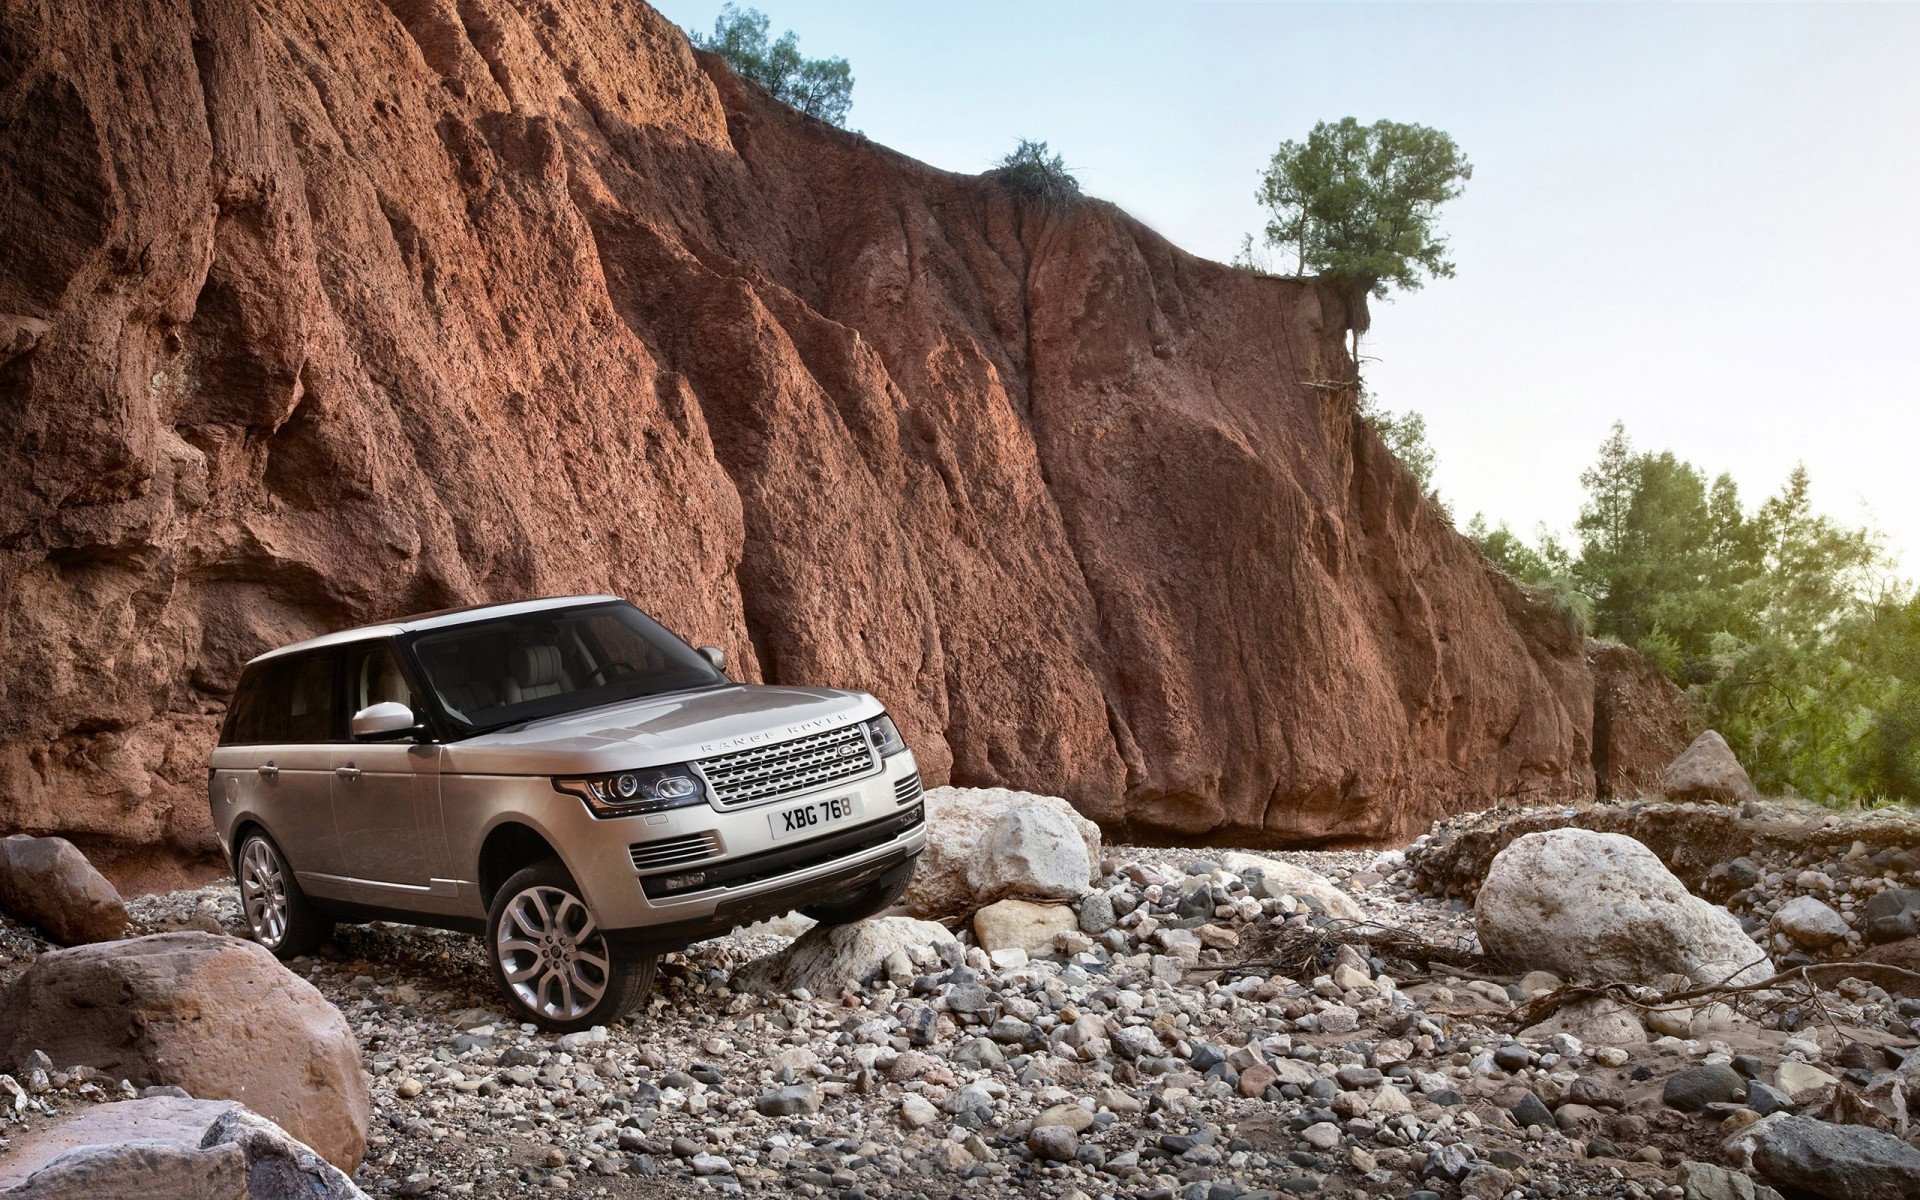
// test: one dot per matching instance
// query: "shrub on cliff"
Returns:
(819, 87)
(1032, 172)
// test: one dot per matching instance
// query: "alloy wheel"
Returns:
(263, 893)
(552, 954)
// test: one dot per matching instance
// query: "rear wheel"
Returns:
(278, 912)
(552, 960)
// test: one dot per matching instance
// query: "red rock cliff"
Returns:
(322, 311)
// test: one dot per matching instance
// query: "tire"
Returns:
(277, 911)
(875, 898)
(551, 960)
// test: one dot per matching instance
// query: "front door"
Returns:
(386, 798)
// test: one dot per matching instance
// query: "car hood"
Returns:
(674, 728)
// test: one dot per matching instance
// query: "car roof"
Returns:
(438, 619)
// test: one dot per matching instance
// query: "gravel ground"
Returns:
(1167, 1057)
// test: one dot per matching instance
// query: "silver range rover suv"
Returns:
(563, 777)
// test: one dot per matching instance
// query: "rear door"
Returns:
(282, 768)
(386, 796)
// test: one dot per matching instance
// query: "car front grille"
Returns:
(907, 789)
(805, 763)
(672, 852)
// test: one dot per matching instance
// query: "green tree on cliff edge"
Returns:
(1358, 203)
(819, 87)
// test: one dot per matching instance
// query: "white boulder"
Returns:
(1809, 922)
(1600, 906)
(986, 844)
(1271, 877)
(828, 959)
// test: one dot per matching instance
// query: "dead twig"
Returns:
(1538, 1009)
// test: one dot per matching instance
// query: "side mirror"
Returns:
(716, 656)
(387, 719)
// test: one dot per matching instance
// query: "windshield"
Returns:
(493, 673)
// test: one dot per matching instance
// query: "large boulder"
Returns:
(1270, 877)
(986, 844)
(828, 959)
(163, 1148)
(48, 883)
(1707, 770)
(216, 1016)
(1600, 906)
(1806, 1157)
(1022, 925)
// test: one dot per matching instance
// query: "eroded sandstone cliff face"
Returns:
(322, 311)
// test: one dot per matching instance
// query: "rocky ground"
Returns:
(1212, 1030)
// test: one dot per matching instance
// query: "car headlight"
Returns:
(885, 736)
(628, 793)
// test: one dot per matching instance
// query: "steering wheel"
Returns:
(626, 669)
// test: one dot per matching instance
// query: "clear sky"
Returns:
(1698, 219)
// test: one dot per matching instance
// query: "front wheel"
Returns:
(553, 961)
(278, 912)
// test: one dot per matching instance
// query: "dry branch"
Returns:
(1538, 1009)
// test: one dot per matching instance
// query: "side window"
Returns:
(373, 677)
(284, 701)
(242, 727)
(307, 703)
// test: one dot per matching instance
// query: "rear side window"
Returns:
(285, 701)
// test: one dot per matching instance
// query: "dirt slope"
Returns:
(318, 312)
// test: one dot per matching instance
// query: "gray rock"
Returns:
(792, 1101)
(1838, 1162)
(979, 1052)
(1810, 923)
(828, 959)
(1695, 1088)
(1767, 1100)
(1451, 1163)
(163, 1147)
(1704, 1181)
(1511, 1057)
(1707, 770)
(1530, 1111)
(969, 998)
(1734, 875)
(1892, 914)
(47, 882)
(1132, 1041)
(1053, 1143)
(1096, 914)
(1593, 1093)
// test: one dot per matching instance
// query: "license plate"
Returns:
(805, 818)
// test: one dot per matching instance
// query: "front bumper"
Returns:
(891, 870)
(755, 875)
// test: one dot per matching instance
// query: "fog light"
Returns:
(681, 883)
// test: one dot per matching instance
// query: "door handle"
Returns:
(347, 772)
(269, 770)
